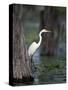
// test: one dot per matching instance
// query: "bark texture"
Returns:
(21, 62)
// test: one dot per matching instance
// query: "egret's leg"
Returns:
(32, 65)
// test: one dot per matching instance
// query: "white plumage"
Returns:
(34, 46)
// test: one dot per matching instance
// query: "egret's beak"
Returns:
(48, 31)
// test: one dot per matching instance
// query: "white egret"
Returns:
(34, 46)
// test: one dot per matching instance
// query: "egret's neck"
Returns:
(40, 39)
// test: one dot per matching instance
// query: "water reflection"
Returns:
(49, 69)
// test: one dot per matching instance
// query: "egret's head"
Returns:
(44, 30)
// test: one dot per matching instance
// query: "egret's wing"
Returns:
(32, 48)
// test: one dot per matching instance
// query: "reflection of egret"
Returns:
(34, 46)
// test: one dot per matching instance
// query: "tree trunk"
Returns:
(48, 19)
(21, 64)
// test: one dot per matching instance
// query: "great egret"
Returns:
(34, 46)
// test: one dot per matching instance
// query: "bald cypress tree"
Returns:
(19, 64)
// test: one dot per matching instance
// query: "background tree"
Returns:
(52, 18)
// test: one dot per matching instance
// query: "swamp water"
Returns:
(49, 69)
